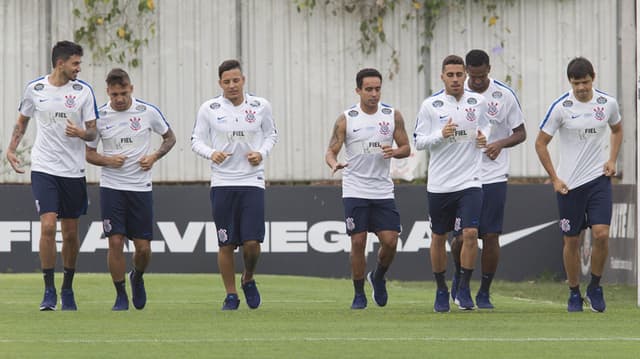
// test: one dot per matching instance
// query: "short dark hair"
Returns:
(63, 50)
(228, 65)
(368, 72)
(579, 68)
(118, 76)
(477, 58)
(452, 60)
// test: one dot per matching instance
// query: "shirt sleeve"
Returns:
(27, 107)
(552, 121)
(515, 117)
(200, 136)
(90, 107)
(425, 133)
(158, 123)
(269, 132)
(614, 117)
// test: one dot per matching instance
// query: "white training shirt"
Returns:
(249, 127)
(583, 135)
(53, 152)
(367, 174)
(128, 133)
(504, 114)
(454, 162)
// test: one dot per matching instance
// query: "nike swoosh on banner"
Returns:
(509, 238)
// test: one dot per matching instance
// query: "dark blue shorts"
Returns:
(585, 206)
(65, 196)
(494, 196)
(238, 213)
(371, 215)
(455, 211)
(127, 212)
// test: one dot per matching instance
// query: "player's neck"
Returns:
(58, 78)
(368, 109)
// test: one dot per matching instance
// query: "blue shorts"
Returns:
(455, 211)
(238, 213)
(494, 196)
(585, 206)
(63, 195)
(371, 215)
(127, 212)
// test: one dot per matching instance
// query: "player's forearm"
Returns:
(96, 159)
(18, 133)
(168, 141)
(616, 143)
(545, 160)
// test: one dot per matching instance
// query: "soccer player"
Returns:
(583, 180)
(452, 126)
(125, 127)
(368, 131)
(236, 132)
(507, 130)
(65, 111)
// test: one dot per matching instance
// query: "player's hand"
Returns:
(254, 158)
(218, 157)
(560, 187)
(493, 150)
(337, 167)
(14, 162)
(449, 129)
(481, 140)
(387, 151)
(610, 169)
(146, 162)
(72, 130)
(116, 161)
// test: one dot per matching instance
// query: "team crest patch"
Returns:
(350, 224)
(255, 103)
(567, 103)
(472, 101)
(77, 87)
(598, 113)
(384, 128)
(565, 225)
(437, 103)
(222, 235)
(471, 114)
(134, 123)
(386, 111)
(457, 226)
(601, 100)
(106, 226)
(250, 116)
(141, 108)
(353, 113)
(496, 95)
(492, 109)
(70, 101)
(214, 106)
(103, 113)
(38, 87)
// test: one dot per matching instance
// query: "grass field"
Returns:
(303, 317)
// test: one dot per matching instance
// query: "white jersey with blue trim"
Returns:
(238, 130)
(367, 174)
(53, 152)
(128, 133)
(454, 162)
(504, 114)
(583, 135)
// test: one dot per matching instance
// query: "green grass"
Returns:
(303, 317)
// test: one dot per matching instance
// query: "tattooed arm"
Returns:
(18, 132)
